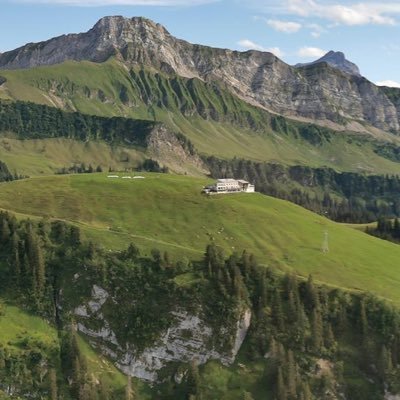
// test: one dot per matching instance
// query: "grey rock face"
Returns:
(319, 91)
(337, 60)
(188, 339)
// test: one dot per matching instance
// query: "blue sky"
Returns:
(367, 31)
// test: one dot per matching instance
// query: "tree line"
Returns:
(32, 121)
(342, 196)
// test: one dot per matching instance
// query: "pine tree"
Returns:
(132, 252)
(385, 362)
(166, 260)
(277, 311)
(75, 236)
(312, 299)
(306, 391)
(15, 262)
(247, 396)
(5, 231)
(316, 330)
(363, 319)
(192, 380)
(53, 384)
(291, 375)
(280, 386)
(329, 338)
(128, 390)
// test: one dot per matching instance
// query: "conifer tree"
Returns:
(15, 262)
(280, 386)
(247, 396)
(5, 231)
(306, 391)
(75, 236)
(53, 384)
(329, 338)
(312, 299)
(128, 389)
(277, 311)
(192, 380)
(363, 319)
(316, 330)
(291, 375)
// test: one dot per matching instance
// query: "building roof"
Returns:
(227, 181)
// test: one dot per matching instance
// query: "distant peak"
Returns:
(333, 55)
(338, 60)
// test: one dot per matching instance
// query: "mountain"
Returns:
(131, 284)
(337, 60)
(318, 92)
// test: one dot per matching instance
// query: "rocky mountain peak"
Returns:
(119, 27)
(110, 36)
(338, 60)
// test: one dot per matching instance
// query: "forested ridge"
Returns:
(32, 121)
(297, 327)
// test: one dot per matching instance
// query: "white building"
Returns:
(230, 186)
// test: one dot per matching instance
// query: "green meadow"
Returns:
(169, 212)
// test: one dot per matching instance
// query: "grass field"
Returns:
(47, 156)
(21, 331)
(168, 212)
(16, 326)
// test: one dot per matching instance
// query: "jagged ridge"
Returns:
(319, 92)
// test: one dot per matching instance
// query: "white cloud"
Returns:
(389, 83)
(316, 30)
(284, 26)
(362, 13)
(311, 52)
(249, 44)
(341, 12)
(98, 3)
(276, 51)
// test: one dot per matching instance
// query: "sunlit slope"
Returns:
(47, 156)
(168, 212)
(217, 122)
(22, 333)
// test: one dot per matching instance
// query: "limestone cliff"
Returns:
(189, 338)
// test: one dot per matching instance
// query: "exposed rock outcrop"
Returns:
(166, 148)
(337, 60)
(189, 339)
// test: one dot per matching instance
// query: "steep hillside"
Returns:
(30, 357)
(225, 327)
(318, 92)
(39, 139)
(214, 120)
(280, 234)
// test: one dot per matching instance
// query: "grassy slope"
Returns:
(18, 329)
(46, 156)
(15, 325)
(168, 211)
(96, 89)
